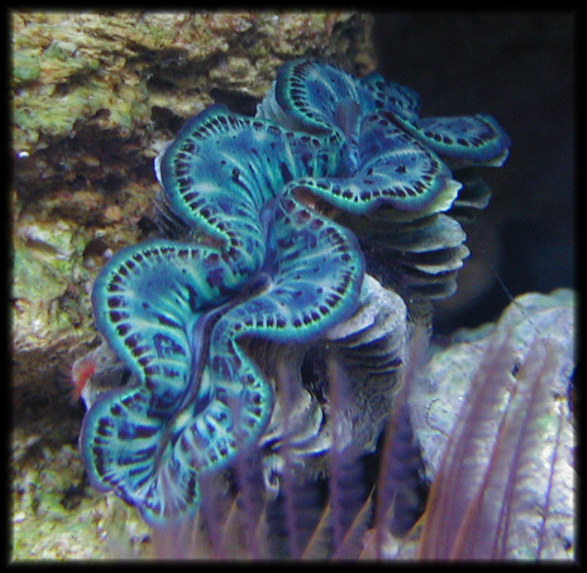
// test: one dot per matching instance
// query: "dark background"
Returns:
(520, 69)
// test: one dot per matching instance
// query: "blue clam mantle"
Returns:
(265, 259)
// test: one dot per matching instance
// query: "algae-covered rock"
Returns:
(494, 415)
(441, 387)
(70, 66)
(57, 517)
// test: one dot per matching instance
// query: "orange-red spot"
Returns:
(82, 370)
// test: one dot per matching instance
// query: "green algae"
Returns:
(44, 257)
(26, 66)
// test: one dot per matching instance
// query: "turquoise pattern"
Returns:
(264, 260)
